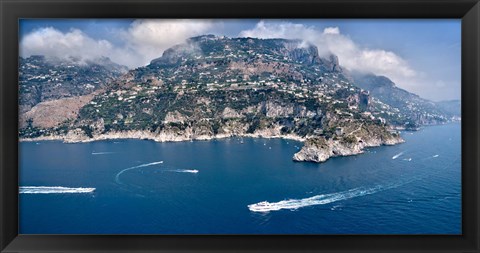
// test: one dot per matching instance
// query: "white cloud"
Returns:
(279, 30)
(149, 38)
(51, 42)
(351, 56)
(143, 41)
(331, 30)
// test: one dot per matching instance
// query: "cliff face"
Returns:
(54, 112)
(45, 79)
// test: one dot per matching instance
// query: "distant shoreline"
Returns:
(147, 135)
(140, 135)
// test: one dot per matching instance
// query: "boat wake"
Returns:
(117, 177)
(102, 153)
(52, 190)
(186, 171)
(293, 204)
(397, 155)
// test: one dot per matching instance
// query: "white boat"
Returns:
(263, 206)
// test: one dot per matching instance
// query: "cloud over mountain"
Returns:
(331, 40)
(52, 42)
(415, 61)
(143, 41)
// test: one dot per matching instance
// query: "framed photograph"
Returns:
(347, 126)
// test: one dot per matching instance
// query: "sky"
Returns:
(421, 56)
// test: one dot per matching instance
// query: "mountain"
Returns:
(450, 107)
(412, 110)
(45, 79)
(216, 87)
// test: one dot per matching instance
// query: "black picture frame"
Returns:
(12, 10)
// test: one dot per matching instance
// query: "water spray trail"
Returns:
(117, 177)
(397, 155)
(322, 199)
(185, 171)
(52, 190)
(102, 153)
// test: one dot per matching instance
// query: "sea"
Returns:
(241, 186)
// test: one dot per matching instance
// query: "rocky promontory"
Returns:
(319, 149)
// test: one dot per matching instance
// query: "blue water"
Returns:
(416, 193)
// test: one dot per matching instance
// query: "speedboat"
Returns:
(263, 206)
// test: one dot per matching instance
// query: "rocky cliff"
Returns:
(319, 149)
(44, 79)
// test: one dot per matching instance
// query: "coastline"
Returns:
(146, 135)
(319, 150)
(310, 152)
